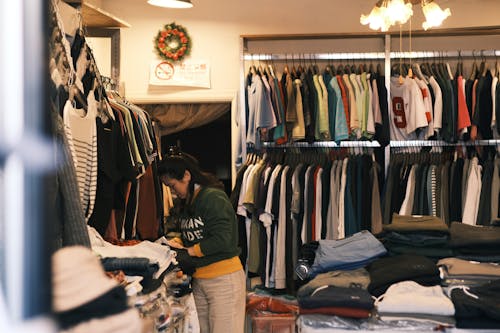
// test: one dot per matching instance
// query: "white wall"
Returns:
(215, 27)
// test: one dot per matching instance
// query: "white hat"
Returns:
(77, 278)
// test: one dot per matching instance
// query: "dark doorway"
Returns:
(210, 144)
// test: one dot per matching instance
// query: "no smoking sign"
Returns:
(164, 70)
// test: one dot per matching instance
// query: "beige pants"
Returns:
(220, 303)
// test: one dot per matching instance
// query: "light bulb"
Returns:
(434, 15)
(399, 12)
(377, 19)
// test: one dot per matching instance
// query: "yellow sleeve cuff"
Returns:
(197, 250)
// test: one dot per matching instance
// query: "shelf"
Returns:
(94, 17)
(463, 31)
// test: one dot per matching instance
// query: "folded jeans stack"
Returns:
(349, 253)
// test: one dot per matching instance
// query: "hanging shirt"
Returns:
(341, 130)
(407, 206)
(267, 219)
(473, 193)
(324, 119)
(280, 250)
(307, 203)
(299, 129)
(343, 180)
(353, 111)
(463, 120)
(438, 104)
(332, 103)
(370, 119)
(291, 111)
(345, 102)
(333, 204)
(81, 130)
(494, 106)
(377, 114)
(426, 95)
(358, 103)
(483, 114)
(279, 135)
(407, 109)
(261, 113)
(318, 204)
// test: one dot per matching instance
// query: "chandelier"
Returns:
(387, 13)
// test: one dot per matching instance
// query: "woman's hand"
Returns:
(191, 252)
(174, 244)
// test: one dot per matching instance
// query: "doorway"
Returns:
(210, 144)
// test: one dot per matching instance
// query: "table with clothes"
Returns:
(138, 287)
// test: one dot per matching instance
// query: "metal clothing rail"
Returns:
(375, 144)
(315, 56)
(447, 54)
(370, 55)
(436, 143)
(322, 144)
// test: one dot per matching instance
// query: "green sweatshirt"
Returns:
(213, 226)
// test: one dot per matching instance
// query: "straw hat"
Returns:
(77, 278)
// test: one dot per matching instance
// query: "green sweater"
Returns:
(213, 225)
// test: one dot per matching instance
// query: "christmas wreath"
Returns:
(173, 42)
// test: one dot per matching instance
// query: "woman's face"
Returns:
(179, 187)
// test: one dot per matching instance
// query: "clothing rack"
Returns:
(384, 53)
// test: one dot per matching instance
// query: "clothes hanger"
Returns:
(294, 70)
(371, 68)
(340, 69)
(460, 65)
(328, 68)
(286, 70)
(347, 69)
(315, 66)
(441, 67)
(474, 70)
(354, 70)
(300, 68)
(483, 67)
(448, 70)
(271, 68)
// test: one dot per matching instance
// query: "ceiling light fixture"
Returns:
(171, 3)
(387, 13)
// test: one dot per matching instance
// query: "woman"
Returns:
(209, 234)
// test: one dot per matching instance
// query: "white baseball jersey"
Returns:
(407, 109)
